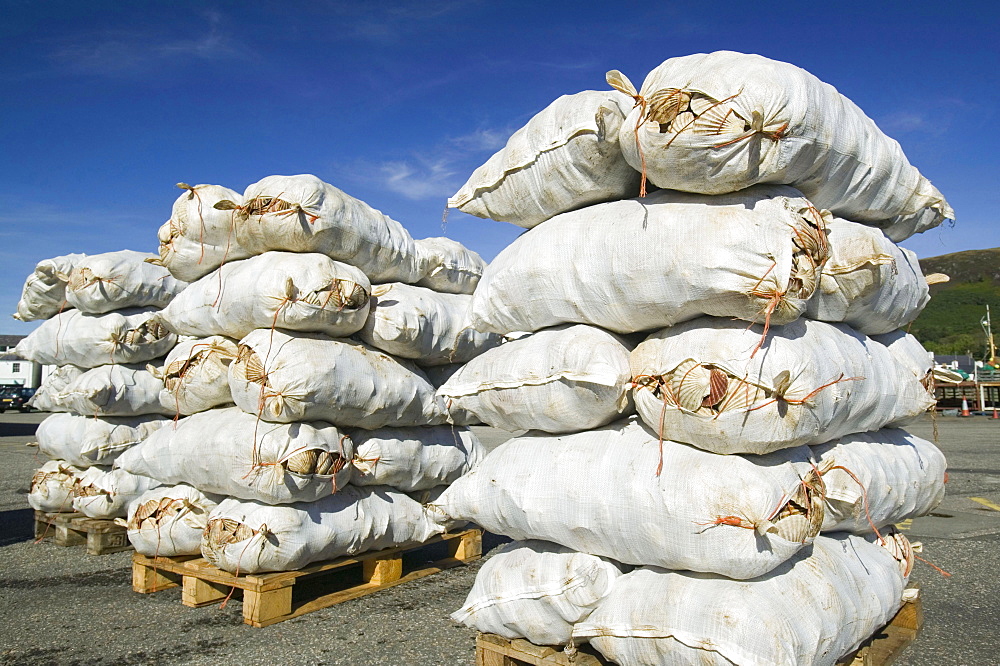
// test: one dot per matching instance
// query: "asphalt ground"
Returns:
(61, 606)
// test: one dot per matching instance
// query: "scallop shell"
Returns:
(690, 384)
(720, 119)
(701, 103)
(684, 121)
(664, 104)
(303, 462)
(718, 386)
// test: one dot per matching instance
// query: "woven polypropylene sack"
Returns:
(609, 492)
(52, 486)
(563, 379)
(195, 374)
(537, 590)
(298, 292)
(425, 326)
(86, 440)
(287, 377)
(813, 609)
(706, 383)
(198, 238)
(721, 122)
(54, 383)
(304, 214)
(877, 479)
(908, 351)
(44, 292)
(113, 390)
(167, 521)
(74, 338)
(641, 264)
(455, 415)
(868, 282)
(250, 537)
(101, 283)
(418, 458)
(230, 452)
(451, 267)
(566, 157)
(102, 492)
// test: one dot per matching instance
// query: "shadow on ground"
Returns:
(16, 526)
(17, 429)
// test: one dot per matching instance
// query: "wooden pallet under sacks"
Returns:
(101, 536)
(268, 597)
(881, 649)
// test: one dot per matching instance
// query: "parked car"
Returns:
(15, 397)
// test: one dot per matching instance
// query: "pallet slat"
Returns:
(881, 649)
(101, 537)
(267, 598)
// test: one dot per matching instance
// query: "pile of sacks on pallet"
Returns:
(99, 333)
(293, 364)
(715, 374)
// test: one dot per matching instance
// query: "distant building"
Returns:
(961, 362)
(16, 371)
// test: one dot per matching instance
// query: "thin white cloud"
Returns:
(481, 140)
(419, 179)
(905, 121)
(111, 53)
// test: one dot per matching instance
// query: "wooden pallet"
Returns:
(267, 598)
(493, 650)
(882, 649)
(73, 529)
(886, 644)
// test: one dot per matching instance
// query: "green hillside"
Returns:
(950, 322)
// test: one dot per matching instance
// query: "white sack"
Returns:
(451, 267)
(54, 383)
(813, 609)
(878, 479)
(195, 374)
(423, 325)
(127, 336)
(563, 379)
(300, 292)
(229, 452)
(304, 214)
(537, 591)
(438, 375)
(598, 492)
(300, 377)
(198, 238)
(868, 282)
(428, 499)
(810, 382)
(640, 264)
(168, 521)
(44, 292)
(250, 537)
(416, 458)
(101, 283)
(566, 157)
(909, 353)
(106, 493)
(52, 486)
(721, 122)
(113, 390)
(86, 441)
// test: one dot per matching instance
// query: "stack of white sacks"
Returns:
(714, 376)
(100, 334)
(303, 427)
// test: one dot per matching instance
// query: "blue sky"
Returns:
(106, 105)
